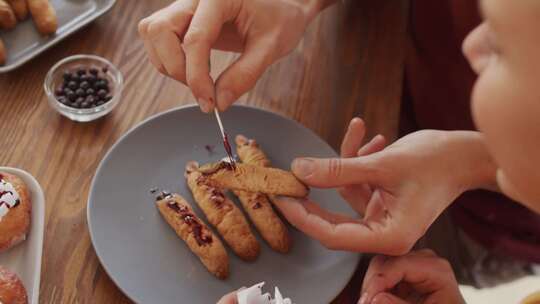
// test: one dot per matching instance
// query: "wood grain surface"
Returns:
(349, 63)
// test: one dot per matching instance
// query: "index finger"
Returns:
(337, 172)
(201, 34)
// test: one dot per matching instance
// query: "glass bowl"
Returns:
(54, 79)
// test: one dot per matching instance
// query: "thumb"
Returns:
(387, 298)
(334, 172)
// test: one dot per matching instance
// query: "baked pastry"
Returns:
(223, 214)
(532, 299)
(253, 178)
(19, 8)
(15, 211)
(7, 16)
(44, 16)
(265, 219)
(11, 288)
(257, 205)
(192, 230)
(249, 152)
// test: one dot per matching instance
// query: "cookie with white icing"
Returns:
(15, 211)
(12, 290)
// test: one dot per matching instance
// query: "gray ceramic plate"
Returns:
(141, 252)
(24, 42)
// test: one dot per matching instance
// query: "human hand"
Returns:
(418, 277)
(229, 298)
(178, 40)
(400, 189)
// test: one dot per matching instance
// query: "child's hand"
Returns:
(419, 277)
(229, 298)
(178, 40)
(400, 190)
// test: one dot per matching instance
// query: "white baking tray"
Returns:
(25, 258)
(24, 42)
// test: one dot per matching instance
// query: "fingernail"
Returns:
(224, 98)
(303, 167)
(204, 104)
(363, 298)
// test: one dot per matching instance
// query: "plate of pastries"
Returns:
(173, 221)
(22, 216)
(29, 27)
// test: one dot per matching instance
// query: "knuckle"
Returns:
(194, 37)
(335, 167)
(143, 27)
(155, 27)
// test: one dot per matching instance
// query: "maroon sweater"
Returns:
(437, 96)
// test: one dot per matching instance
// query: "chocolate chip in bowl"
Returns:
(83, 87)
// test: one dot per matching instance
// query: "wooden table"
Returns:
(349, 63)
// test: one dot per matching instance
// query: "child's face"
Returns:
(505, 52)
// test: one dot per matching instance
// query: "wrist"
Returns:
(477, 170)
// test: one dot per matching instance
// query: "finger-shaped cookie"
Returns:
(20, 8)
(250, 153)
(44, 16)
(7, 16)
(223, 214)
(191, 229)
(253, 178)
(263, 216)
(15, 210)
(257, 205)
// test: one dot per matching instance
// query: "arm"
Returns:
(477, 169)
